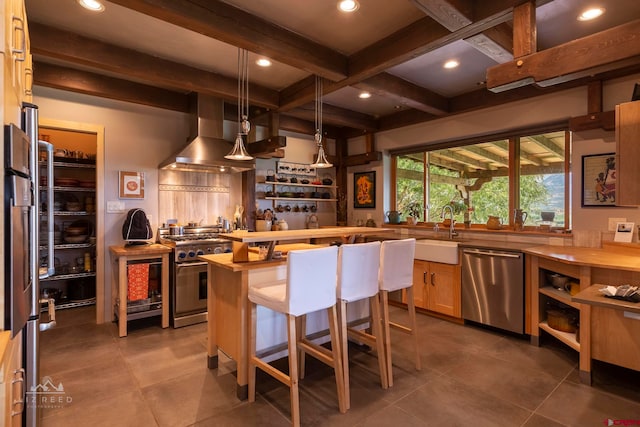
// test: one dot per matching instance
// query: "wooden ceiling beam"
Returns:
(337, 116)
(419, 38)
(504, 145)
(69, 47)
(232, 25)
(495, 42)
(405, 93)
(524, 29)
(73, 80)
(451, 14)
(588, 55)
(548, 145)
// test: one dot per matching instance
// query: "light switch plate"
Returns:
(115, 206)
(614, 221)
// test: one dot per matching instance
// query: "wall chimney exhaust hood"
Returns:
(206, 150)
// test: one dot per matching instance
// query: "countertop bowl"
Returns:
(81, 238)
(558, 281)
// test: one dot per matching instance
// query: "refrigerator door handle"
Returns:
(51, 270)
(51, 307)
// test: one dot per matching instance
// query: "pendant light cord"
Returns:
(318, 113)
(243, 88)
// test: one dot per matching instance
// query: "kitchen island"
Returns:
(228, 303)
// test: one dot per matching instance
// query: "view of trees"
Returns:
(538, 192)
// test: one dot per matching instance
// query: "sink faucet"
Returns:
(443, 215)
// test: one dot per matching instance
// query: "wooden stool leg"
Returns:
(387, 334)
(337, 357)
(344, 343)
(376, 326)
(252, 354)
(293, 370)
(302, 334)
(414, 328)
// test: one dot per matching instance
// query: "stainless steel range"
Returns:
(188, 286)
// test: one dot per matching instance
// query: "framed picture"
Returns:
(364, 190)
(131, 185)
(624, 232)
(599, 180)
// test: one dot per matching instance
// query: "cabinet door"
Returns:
(627, 153)
(13, 387)
(443, 289)
(420, 274)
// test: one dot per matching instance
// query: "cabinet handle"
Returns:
(20, 400)
(424, 277)
(18, 27)
(28, 82)
(433, 279)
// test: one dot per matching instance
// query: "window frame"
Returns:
(513, 136)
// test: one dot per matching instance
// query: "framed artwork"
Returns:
(131, 185)
(364, 190)
(599, 180)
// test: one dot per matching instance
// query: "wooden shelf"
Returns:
(69, 276)
(300, 199)
(568, 338)
(295, 184)
(557, 294)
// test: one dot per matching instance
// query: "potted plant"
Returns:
(413, 211)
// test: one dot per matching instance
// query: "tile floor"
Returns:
(470, 376)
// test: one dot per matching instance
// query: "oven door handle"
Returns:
(190, 264)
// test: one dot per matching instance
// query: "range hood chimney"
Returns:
(206, 150)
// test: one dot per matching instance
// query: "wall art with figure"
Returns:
(599, 180)
(364, 190)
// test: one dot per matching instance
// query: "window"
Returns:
(490, 178)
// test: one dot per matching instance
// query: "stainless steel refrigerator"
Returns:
(22, 251)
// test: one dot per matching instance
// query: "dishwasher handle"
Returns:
(491, 253)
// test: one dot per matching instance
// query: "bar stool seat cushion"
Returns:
(307, 291)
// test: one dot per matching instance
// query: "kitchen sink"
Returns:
(444, 251)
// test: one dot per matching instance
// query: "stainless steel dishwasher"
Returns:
(493, 288)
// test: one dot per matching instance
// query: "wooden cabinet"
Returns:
(628, 153)
(436, 287)
(12, 384)
(18, 76)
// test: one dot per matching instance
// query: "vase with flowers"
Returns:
(413, 211)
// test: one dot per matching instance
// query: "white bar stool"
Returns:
(358, 269)
(396, 272)
(310, 286)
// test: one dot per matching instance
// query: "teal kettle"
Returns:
(393, 216)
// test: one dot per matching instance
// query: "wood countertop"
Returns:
(609, 256)
(592, 296)
(226, 260)
(270, 236)
(135, 250)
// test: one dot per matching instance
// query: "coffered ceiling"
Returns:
(157, 52)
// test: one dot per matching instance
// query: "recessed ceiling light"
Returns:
(348, 5)
(263, 62)
(364, 95)
(590, 14)
(452, 63)
(92, 5)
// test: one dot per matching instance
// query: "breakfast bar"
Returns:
(227, 299)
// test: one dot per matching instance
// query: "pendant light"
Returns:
(321, 160)
(239, 152)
